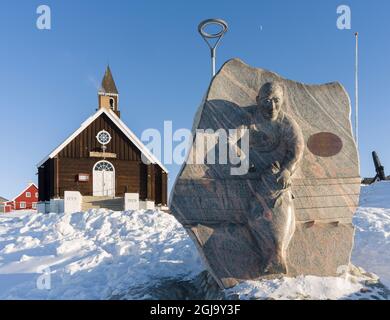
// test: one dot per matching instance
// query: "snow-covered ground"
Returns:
(348, 286)
(372, 238)
(102, 254)
(91, 255)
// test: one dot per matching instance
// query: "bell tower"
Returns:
(108, 95)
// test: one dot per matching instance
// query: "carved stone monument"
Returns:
(287, 207)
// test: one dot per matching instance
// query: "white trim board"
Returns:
(120, 124)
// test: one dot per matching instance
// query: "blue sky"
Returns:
(49, 78)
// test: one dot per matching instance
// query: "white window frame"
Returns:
(34, 205)
(36, 195)
(109, 137)
(22, 205)
(28, 194)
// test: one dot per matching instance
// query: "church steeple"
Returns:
(108, 94)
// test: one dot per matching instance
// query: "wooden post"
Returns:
(153, 182)
(164, 182)
(56, 178)
(41, 184)
(149, 181)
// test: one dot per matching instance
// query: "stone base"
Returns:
(320, 249)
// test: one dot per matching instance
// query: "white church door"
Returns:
(103, 179)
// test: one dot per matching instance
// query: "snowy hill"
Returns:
(101, 254)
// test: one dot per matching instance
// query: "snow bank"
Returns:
(308, 287)
(91, 255)
(372, 237)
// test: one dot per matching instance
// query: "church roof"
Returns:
(108, 83)
(120, 124)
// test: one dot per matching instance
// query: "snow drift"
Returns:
(91, 255)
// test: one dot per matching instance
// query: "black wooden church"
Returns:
(103, 158)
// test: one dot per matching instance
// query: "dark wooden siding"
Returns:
(143, 182)
(160, 185)
(164, 186)
(46, 181)
(127, 175)
(86, 141)
(157, 184)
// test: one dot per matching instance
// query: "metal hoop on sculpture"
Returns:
(206, 35)
(205, 23)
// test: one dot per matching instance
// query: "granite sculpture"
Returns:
(291, 211)
(276, 148)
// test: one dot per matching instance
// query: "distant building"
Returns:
(103, 158)
(26, 200)
(2, 200)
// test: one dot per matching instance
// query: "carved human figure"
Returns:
(276, 147)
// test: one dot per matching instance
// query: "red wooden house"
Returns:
(26, 200)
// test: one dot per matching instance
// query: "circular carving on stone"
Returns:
(324, 144)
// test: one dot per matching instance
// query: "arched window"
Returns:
(103, 166)
(112, 103)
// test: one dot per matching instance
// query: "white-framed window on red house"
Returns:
(28, 194)
(22, 205)
(34, 205)
(36, 194)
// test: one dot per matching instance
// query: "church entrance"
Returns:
(103, 179)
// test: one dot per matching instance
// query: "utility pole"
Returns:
(356, 90)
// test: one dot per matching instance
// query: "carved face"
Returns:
(270, 101)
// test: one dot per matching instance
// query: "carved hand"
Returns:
(284, 178)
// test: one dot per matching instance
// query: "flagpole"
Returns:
(356, 89)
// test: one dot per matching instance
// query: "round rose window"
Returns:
(103, 137)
